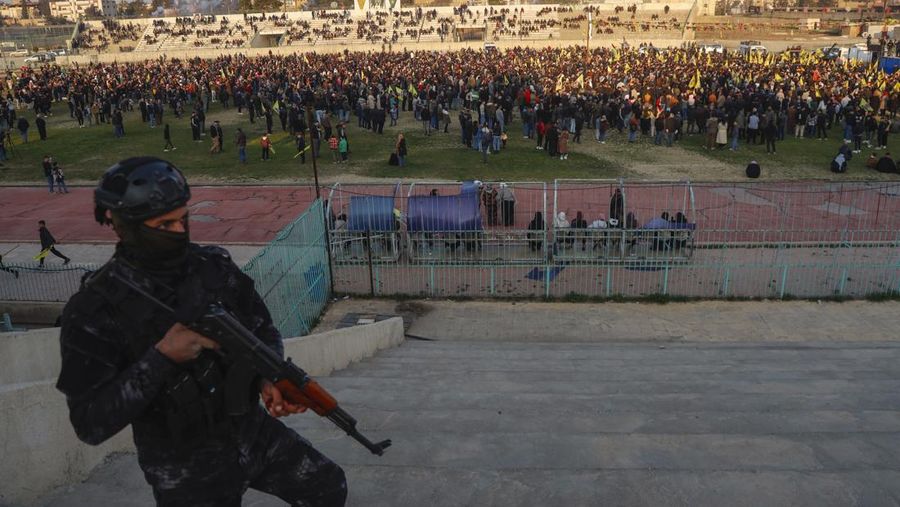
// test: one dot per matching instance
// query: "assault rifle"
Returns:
(251, 357)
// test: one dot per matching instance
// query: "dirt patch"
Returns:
(643, 160)
(409, 310)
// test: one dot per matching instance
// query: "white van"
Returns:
(712, 48)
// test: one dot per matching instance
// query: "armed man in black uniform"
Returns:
(125, 362)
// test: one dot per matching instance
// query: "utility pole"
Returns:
(310, 103)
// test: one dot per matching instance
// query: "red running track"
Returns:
(246, 214)
(724, 212)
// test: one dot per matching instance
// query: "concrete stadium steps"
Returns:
(536, 424)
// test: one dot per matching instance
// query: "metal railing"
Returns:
(806, 239)
(291, 273)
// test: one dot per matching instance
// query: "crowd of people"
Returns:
(554, 94)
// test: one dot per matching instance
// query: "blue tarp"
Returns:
(889, 64)
(371, 212)
(660, 223)
(444, 213)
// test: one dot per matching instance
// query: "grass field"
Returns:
(86, 152)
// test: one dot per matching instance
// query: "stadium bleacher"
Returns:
(412, 25)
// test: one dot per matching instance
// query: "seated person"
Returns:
(535, 238)
(846, 150)
(839, 164)
(753, 170)
(579, 223)
(872, 161)
(886, 164)
(561, 222)
(680, 238)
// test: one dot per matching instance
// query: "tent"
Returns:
(435, 213)
(374, 213)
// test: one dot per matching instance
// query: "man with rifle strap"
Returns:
(201, 435)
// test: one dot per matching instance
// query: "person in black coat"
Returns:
(552, 141)
(195, 127)
(301, 147)
(167, 136)
(48, 242)
(41, 126)
(23, 126)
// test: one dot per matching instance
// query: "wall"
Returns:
(41, 452)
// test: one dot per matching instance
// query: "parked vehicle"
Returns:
(40, 58)
(712, 48)
(751, 46)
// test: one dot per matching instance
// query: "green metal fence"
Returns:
(807, 239)
(292, 273)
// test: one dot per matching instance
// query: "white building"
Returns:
(73, 9)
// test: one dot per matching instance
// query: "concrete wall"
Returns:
(40, 449)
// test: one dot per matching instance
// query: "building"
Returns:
(73, 9)
(14, 10)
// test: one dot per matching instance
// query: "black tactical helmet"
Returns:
(139, 188)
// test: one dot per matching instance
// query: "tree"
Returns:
(93, 12)
(135, 8)
(259, 5)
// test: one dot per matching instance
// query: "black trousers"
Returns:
(508, 212)
(56, 253)
(278, 462)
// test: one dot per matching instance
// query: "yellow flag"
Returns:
(580, 80)
(778, 78)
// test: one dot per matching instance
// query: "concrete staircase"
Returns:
(588, 424)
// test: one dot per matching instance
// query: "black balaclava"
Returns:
(154, 250)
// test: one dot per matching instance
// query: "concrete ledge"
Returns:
(40, 449)
(321, 354)
(32, 312)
